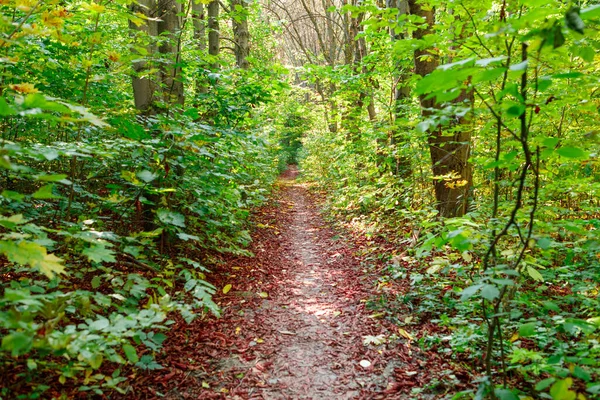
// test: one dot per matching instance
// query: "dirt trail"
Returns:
(294, 322)
(315, 362)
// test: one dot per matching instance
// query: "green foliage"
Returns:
(107, 218)
(518, 275)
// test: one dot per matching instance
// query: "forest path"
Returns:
(294, 321)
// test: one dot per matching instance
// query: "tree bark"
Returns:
(199, 21)
(166, 85)
(449, 152)
(241, 34)
(143, 86)
(402, 165)
(169, 26)
(214, 46)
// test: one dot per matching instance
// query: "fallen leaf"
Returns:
(405, 334)
(264, 295)
(375, 340)
(365, 363)
(227, 288)
(287, 333)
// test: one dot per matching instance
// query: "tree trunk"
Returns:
(169, 26)
(241, 34)
(214, 46)
(143, 86)
(199, 20)
(449, 153)
(402, 165)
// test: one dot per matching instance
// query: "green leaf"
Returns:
(534, 273)
(469, 292)
(99, 324)
(130, 353)
(488, 75)
(31, 364)
(522, 66)
(528, 329)
(34, 255)
(95, 360)
(548, 305)
(146, 176)
(484, 62)
(186, 237)
(51, 178)
(572, 152)
(168, 217)
(587, 53)
(96, 282)
(45, 192)
(490, 292)
(5, 109)
(505, 394)
(544, 384)
(544, 243)
(12, 221)
(594, 389)
(17, 343)
(582, 374)
(5, 162)
(590, 12)
(99, 254)
(515, 110)
(561, 390)
(423, 126)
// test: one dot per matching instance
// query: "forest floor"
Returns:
(295, 323)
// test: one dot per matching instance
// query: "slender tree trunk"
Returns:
(169, 26)
(214, 46)
(199, 20)
(402, 165)
(241, 34)
(143, 86)
(449, 153)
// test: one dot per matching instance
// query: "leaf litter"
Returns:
(296, 326)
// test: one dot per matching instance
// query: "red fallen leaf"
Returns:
(180, 365)
(167, 376)
(392, 387)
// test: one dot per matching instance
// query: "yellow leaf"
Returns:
(227, 288)
(259, 340)
(238, 330)
(25, 88)
(405, 334)
(514, 337)
(94, 7)
(264, 295)
(34, 255)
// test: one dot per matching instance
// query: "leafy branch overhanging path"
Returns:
(295, 323)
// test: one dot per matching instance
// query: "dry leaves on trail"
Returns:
(294, 323)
